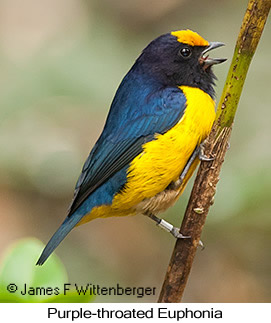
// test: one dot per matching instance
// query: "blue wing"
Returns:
(132, 121)
(138, 112)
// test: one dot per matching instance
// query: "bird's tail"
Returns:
(68, 224)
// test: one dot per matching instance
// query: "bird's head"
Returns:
(180, 58)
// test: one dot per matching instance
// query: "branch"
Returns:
(204, 188)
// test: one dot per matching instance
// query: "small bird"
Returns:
(152, 140)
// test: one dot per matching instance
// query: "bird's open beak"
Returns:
(207, 61)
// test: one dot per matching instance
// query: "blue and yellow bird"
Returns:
(151, 143)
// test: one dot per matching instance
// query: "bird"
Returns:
(153, 137)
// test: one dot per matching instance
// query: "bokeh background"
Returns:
(61, 62)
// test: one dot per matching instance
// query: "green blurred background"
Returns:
(61, 62)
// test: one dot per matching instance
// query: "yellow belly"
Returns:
(162, 161)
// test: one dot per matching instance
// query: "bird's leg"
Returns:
(167, 226)
(197, 153)
(171, 229)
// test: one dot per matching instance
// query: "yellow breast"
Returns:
(162, 161)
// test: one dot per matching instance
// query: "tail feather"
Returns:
(60, 234)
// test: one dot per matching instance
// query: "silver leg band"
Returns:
(165, 225)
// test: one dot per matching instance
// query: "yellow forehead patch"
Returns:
(189, 37)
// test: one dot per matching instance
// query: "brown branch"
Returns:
(204, 188)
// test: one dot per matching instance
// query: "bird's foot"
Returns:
(177, 234)
(202, 156)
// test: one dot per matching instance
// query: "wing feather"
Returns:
(118, 146)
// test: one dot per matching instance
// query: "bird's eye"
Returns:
(185, 52)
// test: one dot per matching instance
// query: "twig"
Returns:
(204, 188)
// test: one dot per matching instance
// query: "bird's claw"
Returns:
(201, 245)
(177, 234)
(202, 156)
